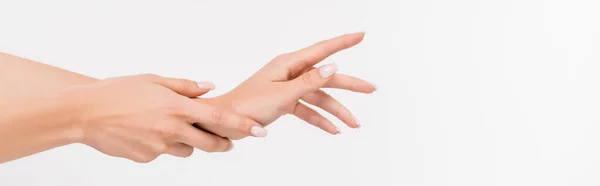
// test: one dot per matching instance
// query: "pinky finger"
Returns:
(314, 118)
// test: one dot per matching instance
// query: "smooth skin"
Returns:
(135, 117)
(276, 89)
(141, 117)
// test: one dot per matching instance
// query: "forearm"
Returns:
(29, 126)
(21, 78)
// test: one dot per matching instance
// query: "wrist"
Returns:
(71, 111)
(47, 119)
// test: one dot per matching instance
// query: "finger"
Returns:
(316, 53)
(213, 117)
(180, 150)
(346, 82)
(184, 87)
(314, 118)
(331, 105)
(312, 80)
(202, 140)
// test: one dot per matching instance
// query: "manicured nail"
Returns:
(206, 85)
(338, 130)
(357, 122)
(328, 70)
(230, 147)
(258, 131)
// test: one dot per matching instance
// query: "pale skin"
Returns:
(140, 117)
(276, 89)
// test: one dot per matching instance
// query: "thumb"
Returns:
(185, 87)
(312, 80)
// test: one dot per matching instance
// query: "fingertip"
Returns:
(331, 128)
(369, 87)
(230, 147)
(328, 70)
(258, 131)
(361, 34)
(207, 85)
(357, 36)
(254, 128)
(357, 124)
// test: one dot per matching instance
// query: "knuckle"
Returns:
(159, 148)
(171, 106)
(186, 84)
(244, 125)
(217, 116)
(167, 131)
(308, 79)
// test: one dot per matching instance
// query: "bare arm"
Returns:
(28, 126)
(21, 78)
(288, 67)
(134, 117)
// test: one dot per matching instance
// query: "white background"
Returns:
(471, 92)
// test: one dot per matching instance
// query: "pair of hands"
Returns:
(141, 117)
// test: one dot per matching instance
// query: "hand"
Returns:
(276, 89)
(141, 117)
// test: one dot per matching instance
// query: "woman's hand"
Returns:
(141, 117)
(276, 89)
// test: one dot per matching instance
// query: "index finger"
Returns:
(316, 53)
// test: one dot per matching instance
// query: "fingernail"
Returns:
(206, 85)
(258, 131)
(374, 85)
(338, 130)
(230, 147)
(328, 70)
(357, 122)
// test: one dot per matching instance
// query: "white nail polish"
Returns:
(258, 131)
(206, 85)
(328, 70)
